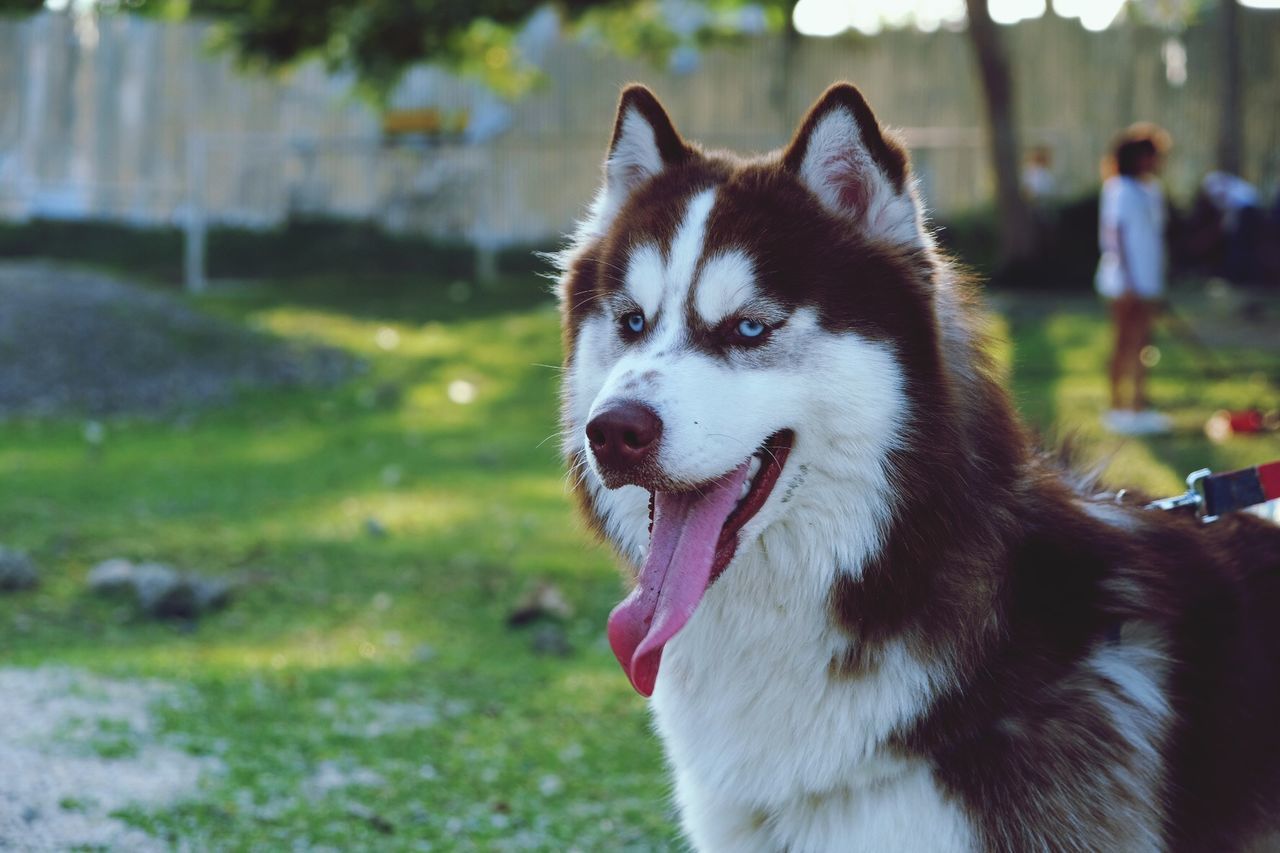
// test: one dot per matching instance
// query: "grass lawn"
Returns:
(382, 532)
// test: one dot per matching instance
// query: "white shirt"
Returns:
(1131, 211)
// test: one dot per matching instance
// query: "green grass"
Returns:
(389, 653)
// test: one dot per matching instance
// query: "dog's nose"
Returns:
(624, 435)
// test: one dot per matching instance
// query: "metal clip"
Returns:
(1192, 497)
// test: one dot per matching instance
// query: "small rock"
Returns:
(369, 816)
(162, 592)
(487, 459)
(545, 599)
(550, 639)
(17, 571)
(94, 433)
(159, 590)
(209, 593)
(111, 576)
(387, 395)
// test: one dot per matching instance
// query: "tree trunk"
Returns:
(784, 72)
(1017, 232)
(1230, 115)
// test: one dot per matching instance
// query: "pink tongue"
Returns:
(686, 526)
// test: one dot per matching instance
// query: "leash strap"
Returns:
(1235, 490)
(1213, 495)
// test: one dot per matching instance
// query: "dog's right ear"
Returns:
(645, 142)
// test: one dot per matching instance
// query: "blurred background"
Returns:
(287, 558)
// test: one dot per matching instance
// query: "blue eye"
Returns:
(750, 328)
(634, 322)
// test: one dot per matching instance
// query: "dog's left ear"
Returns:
(842, 155)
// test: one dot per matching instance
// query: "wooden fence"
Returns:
(136, 120)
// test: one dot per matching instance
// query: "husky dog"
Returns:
(869, 616)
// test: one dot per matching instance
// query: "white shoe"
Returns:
(1119, 421)
(1151, 422)
(1127, 422)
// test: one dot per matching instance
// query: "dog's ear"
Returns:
(857, 172)
(645, 142)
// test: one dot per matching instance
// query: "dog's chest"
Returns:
(754, 721)
(746, 694)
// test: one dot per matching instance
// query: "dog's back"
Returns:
(1224, 755)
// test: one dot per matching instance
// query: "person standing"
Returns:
(1131, 272)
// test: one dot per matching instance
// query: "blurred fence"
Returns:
(135, 120)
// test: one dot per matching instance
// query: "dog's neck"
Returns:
(933, 582)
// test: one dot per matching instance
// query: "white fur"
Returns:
(1111, 514)
(686, 248)
(769, 751)
(646, 272)
(1140, 708)
(835, 157)
(1139, 705)
(725, 286)
(898, 808)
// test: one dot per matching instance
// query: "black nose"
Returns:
(624, 435)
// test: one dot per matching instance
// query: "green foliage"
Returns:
(20, 7)
(330, 247)
(154, 253)
(642, 28)
(380, 39)
(487, 51)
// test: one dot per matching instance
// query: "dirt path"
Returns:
(76, 748)
(83, 342)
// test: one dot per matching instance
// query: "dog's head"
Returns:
(740, 336)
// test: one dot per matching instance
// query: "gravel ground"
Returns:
(75, 748)
(82, 342)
